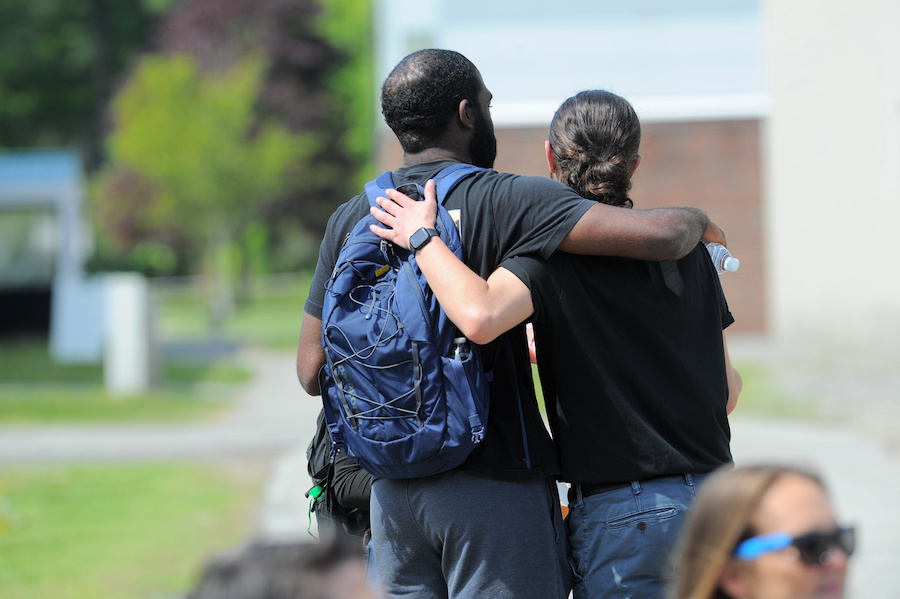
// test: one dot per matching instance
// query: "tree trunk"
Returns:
(220, 271)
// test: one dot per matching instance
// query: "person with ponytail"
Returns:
(631, 354)
(594, 146)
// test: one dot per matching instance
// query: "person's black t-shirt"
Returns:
(501, 216)
(632, 363)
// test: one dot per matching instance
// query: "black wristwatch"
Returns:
(420, 238)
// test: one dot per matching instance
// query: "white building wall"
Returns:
(832, 170)
(695, 59)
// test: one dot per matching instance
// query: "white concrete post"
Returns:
(129, 360)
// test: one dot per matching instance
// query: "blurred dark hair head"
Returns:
(271, 570)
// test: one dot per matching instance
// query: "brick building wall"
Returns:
(713, 165)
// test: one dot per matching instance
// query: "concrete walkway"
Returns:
(274, 419)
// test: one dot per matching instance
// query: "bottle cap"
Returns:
(731, 264)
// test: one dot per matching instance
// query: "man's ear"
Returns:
(551, 157)
(466, 114)
(637, 163)
(732, 581)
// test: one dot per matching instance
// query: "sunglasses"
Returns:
(814, 547)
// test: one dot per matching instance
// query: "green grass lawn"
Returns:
(29, 361)
(270, 317)
(760, 396)
(45, 404)
(131, 530)
(118, 531)
(35, 389)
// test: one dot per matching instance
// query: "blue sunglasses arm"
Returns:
(757, 546)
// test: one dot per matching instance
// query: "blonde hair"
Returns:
(720, 518)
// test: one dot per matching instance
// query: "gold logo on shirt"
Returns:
(456, 215)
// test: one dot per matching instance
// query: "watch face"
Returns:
(416, 240)
(420, 238)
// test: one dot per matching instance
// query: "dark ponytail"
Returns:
(596, 138)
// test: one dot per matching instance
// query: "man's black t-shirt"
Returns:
(501, 216)
(632, 363)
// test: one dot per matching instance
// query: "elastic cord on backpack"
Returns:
(428, 452)
(417, 381)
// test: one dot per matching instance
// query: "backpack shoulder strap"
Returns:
(448, 178)
(377, 186)
(445, 181)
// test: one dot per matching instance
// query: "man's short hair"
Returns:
(423, 92)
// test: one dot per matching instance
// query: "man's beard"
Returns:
(483, 145)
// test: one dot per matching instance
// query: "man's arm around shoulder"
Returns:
(657, 234)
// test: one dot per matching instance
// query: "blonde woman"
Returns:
(763, 532)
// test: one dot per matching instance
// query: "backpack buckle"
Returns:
(478, 435)
(388, 250)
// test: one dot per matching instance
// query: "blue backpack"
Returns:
(394, 393)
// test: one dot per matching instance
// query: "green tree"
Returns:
(207, 162)
(347, 24)
(317, 81)
(314, 61)
(59, 62)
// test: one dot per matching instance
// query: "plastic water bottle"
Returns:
(722, 258)
(461, 349)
